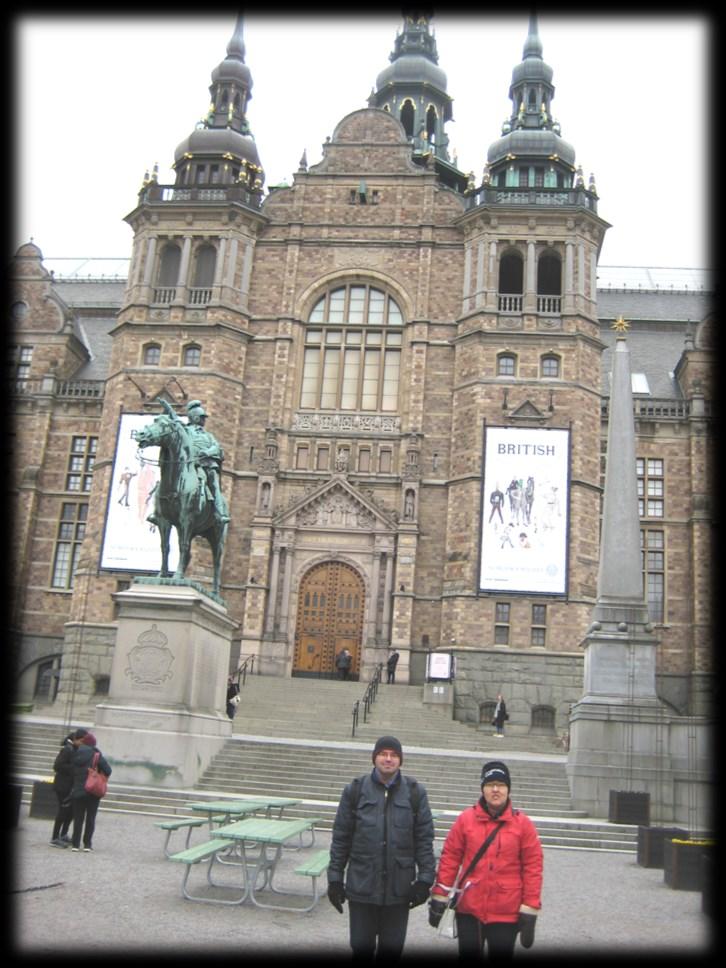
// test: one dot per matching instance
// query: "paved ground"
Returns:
(125, 897)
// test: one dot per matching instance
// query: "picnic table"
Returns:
(254, 845)
(232, 808)
(260, 841)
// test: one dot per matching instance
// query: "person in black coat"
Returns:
(62, 784)
(381, 854)
(500, 716)
(85, 805)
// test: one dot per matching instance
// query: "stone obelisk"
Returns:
(614, 739)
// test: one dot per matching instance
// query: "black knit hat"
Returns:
(493, 771)
(387, 743)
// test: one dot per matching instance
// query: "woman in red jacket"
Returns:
(501, 896)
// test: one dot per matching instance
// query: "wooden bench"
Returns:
(195, 855)
(314, 868)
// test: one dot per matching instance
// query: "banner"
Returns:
(130, 542)
(525, 508)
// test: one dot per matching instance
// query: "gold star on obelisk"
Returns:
(620, 325)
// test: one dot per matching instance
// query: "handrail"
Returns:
(368, 697)
(242, 670)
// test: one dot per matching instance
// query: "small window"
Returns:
(322, 458)
(80, 464)
(651, 488)
(506, 364)
(501, 623)
(385, 462)
(301, 457)
(539, 626)
(550, 366)
(543, 718)
(652, 545)
(152, 355)
(364, 460)
(192, 356)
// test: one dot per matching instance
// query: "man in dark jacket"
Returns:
(85, 805)
(384, 835)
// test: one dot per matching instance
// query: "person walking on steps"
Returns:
(381, 854)
(85, 805)
(499, 895)
(500, 715)
(62, 785)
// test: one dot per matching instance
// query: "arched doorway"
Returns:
(330, 611)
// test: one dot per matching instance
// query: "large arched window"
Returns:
(353, 351)
(511, 273)
(169, 263)
(204, 264)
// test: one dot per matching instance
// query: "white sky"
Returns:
(99, 100)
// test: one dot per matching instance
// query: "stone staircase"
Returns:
(292, 737)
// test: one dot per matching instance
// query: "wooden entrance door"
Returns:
(329, 617)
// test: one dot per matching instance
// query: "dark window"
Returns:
(543, 717)
(169, 263)
(192, 356)
(511, 274)
(550, 365)
(549, 276)
(506, 364)
(501, 623)
(152, 354)
(206, 260)
(69, 535)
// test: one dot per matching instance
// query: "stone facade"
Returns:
(395, 493)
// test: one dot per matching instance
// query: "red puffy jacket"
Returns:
(507, 876)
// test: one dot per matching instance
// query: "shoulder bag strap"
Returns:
(480, 853)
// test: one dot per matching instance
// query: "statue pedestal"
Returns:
(165, 716)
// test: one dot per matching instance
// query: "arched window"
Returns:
(169, 262)
(407, 116)
(204, 264)
(152, 354)
(506, 364)
(543, 719)
(192, 355)
(550, 365)
(549, 276)
(352, 356)
(431, 118)
(511, 273)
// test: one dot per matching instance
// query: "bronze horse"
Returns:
(181, 500)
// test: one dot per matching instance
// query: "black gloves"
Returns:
(419, 894)
(525, 926)
(436, 909)
(337, 895)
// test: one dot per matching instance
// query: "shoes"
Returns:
(75, 849)
(88, 850)
(58, 842)
(499, 735)
(66, 839)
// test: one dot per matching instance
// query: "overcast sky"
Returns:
(100, 100)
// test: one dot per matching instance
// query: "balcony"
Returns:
(176, 195)
(550, 197)
(61, 389)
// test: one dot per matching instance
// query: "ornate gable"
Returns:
(336, 505)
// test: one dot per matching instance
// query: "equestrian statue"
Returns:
(189, 496)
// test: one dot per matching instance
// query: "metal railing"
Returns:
(368, 699)
(247, 665)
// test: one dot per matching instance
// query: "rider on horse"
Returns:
(207, 454)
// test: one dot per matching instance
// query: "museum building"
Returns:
(407, 368)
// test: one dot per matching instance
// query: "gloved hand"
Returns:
(337, 895)
(525, 926)
(436, 910)
(419, 894)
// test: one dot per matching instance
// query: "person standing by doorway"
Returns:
(500, 715)
(343, 662)
(391, 666)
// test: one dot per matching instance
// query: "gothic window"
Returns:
(169, 262)
(152, 354)
(204, 265)
(431, 118)
(69, 535)
(549, 276)
(192, 355)
(407, 117)
(550, 365)
(506, 364)
(352, 355)
(511, 273)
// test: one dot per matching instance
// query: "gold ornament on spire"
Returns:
(620, 325)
